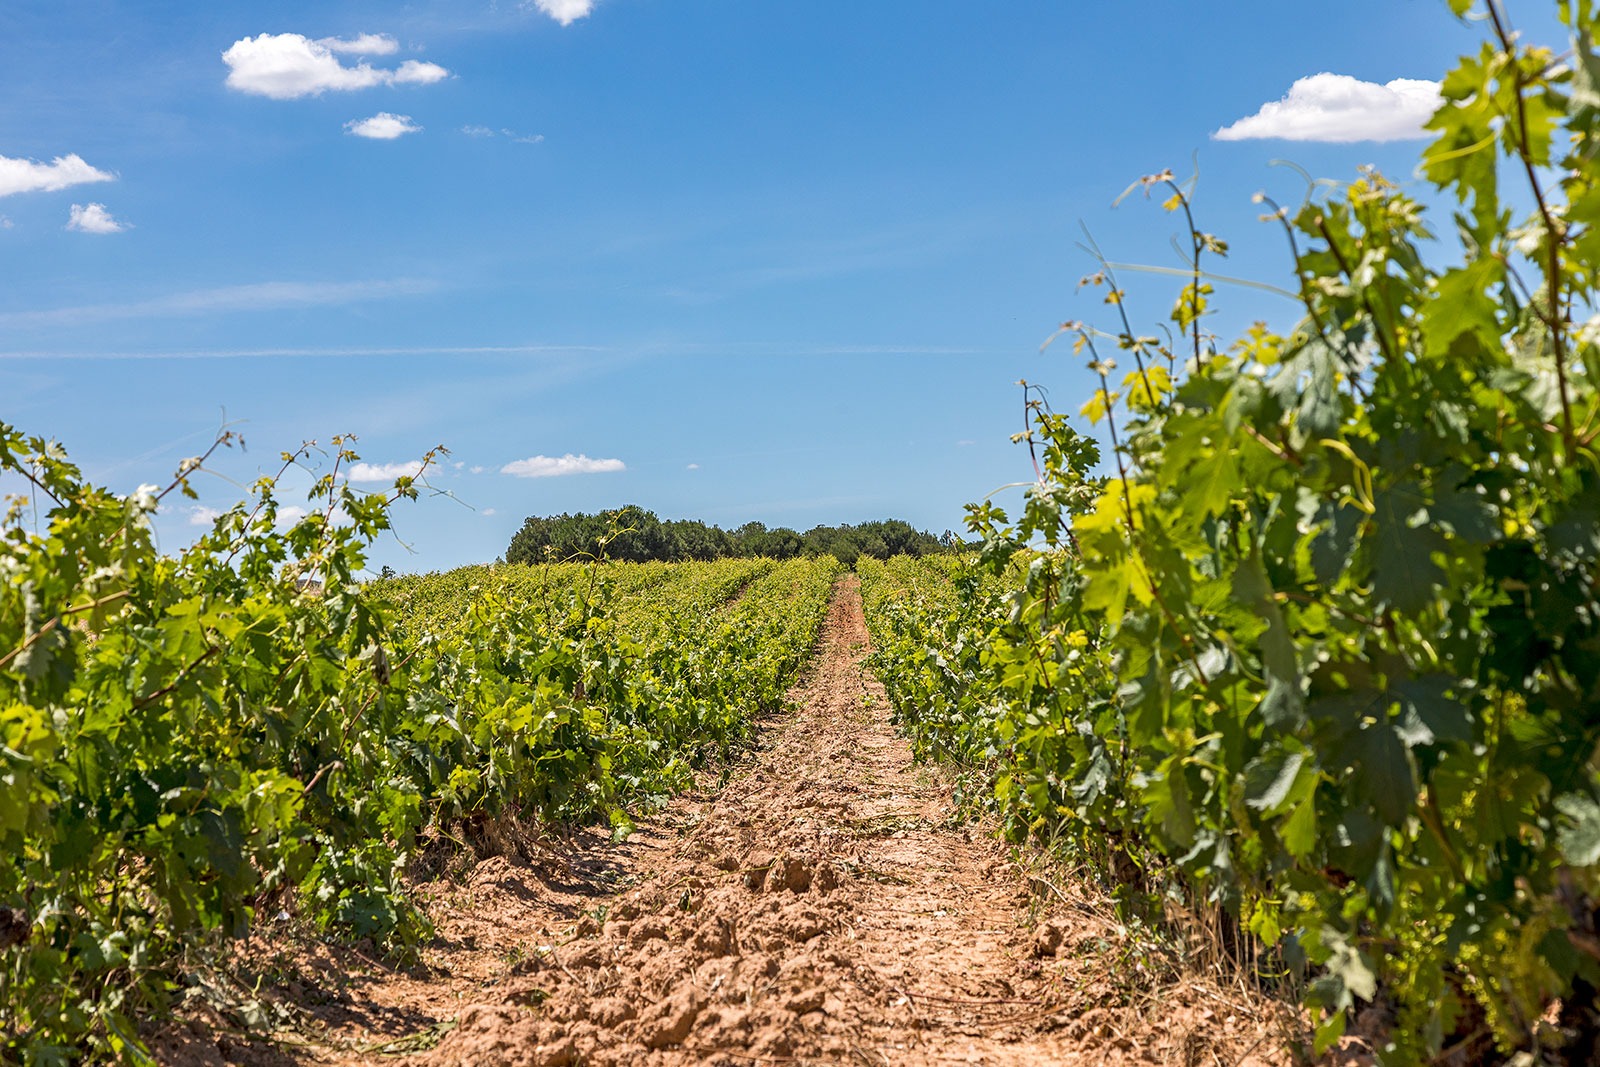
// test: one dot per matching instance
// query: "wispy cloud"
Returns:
(555, 466)
(382, 127)
(693, 467)
(1340, 109)
(385, 472)
(790, 263)
(364, 44)
(318, 353)
(285, 66)
(93, 218)
(486, 512)
(512, 135)
(6, 223)
(200, 515)
(29, 175)
(262, 296)
(565, 12)
(170, 306)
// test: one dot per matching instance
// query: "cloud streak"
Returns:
(1340, 109)
(365, 44)
(511, 135)
(556, 466)
(286, 66)
(262, 296)
(320, 353)
(29, 175)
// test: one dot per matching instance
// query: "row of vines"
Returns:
(1310, 628)
(188, 738)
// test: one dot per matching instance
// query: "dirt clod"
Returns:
(669, 1023)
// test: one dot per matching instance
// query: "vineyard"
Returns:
(1299, 632)
(189, 740)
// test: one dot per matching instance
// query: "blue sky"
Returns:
(775, 261)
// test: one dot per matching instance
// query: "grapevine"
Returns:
(1319, 644)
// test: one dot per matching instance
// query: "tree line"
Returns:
(636, 535)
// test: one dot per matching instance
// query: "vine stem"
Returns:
(1133, 528)
(56, 621)
(1366, 302)
(1309, 300)
(1196, 245)
(1128, 336)
(146, 701)
(1553, 236)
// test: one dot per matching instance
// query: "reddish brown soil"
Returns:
(821, 907)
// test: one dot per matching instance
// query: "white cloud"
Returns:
(364, 44)
(93, 218)
(488, 511)
(550, 467)
(565, 12)
(5, 223)
(292, 514)
(477, 131)
(29, 175)
(385, 472)
(382, 127)
(965, 443)
(476, 470)
(1339, 108)
(693, 467)
(200, 515)
(285, 66)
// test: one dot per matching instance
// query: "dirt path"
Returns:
(818, 908)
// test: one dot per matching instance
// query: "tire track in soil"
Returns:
(819, 908)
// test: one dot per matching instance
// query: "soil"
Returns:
(821, 906)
